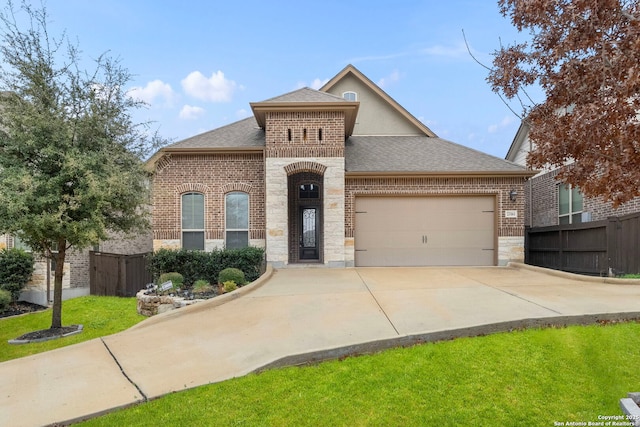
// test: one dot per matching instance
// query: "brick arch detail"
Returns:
(305, 166)
(191, 187)
(164, 162)
(236, 186)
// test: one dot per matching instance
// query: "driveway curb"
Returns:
(211, 303)
(567, 275)
(372, 347)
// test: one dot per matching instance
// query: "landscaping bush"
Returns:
(194, 265)
(176, 279)
(5, 299)
(201, 286)
(229, 286)
(16, 267)
(232, 275)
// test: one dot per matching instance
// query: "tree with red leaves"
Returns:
(585, 55)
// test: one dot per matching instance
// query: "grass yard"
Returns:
(525, 378)
(100, 316)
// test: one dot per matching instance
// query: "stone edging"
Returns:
(210, 303)
(574, 276)
(55, 337)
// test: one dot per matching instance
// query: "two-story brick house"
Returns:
(339, 176)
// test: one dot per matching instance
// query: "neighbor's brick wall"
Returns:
(542, 210)
(278, 125)
(213, 175)
(542, 206)
(428, 186)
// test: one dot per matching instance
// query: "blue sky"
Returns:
(199, 63)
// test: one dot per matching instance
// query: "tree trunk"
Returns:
(56, 318)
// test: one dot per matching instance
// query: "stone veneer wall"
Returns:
(277, 236)
(213, 175)
(510, 231)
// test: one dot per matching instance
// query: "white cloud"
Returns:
(506, 121)
(189, 112)
(242, 113)
(456, 51)
(216, 88)
(317, 83)
(154, 90)
(393, 77)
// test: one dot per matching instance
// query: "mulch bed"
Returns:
(21, 307)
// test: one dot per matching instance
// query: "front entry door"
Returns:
(309, 247)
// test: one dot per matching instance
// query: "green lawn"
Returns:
(99, 316)
(526, 378)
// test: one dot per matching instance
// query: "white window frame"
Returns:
(571, 213)
(350, 92)
(192, 230)
(226, 229)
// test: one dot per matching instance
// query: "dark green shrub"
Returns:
(176, 279)
(194, 265)
(16, 267)
(232, 275)
(5, 299)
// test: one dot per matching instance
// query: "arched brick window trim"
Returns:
(192, 188)
(298, 167)
(237, 186)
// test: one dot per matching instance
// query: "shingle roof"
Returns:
(418, 154)
(241, 134)
(307, 95)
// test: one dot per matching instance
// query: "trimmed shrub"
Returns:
(16, 267)
(176, 279)
(232, 275)
(5, 299)
(194, 265)
(229, 286)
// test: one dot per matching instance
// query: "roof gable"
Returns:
(379, 113)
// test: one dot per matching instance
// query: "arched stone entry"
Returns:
(305, 211)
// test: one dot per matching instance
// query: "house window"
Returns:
(237, 220)
(350, 96)
(569, 205)
(309, 191)
(193, 221)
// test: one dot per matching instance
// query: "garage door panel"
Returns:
(415, 231)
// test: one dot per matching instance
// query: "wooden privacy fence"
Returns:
(117, 275)
(610, 246)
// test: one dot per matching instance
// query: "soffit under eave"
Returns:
(350, 69)
(350, 110)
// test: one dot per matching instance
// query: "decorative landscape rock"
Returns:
(150, 305)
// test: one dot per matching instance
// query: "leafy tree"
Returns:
(585, 55)
(70, 153)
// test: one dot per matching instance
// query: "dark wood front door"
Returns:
(309, 242)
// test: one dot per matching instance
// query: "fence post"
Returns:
(527, 240)
(612, 246)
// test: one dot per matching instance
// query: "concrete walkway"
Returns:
(298, 315)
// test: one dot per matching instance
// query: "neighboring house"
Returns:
(340, 176)
(76, 267)
(551, 202)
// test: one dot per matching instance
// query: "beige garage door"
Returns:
(421, 231)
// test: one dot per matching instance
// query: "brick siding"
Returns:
(542, 211)
(328, 123)
(212, 175)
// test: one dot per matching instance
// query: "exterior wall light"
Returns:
(512, 195)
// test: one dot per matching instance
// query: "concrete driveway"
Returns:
(298, 315)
